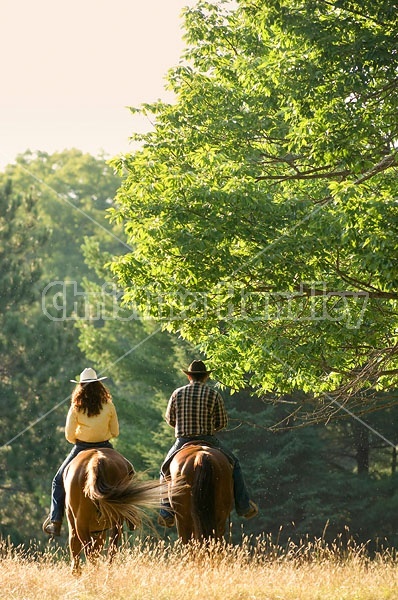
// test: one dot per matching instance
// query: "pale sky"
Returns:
(69, 68)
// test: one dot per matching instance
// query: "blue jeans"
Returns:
(58, 490)
(241, 493)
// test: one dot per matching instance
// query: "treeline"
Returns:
(61, 311)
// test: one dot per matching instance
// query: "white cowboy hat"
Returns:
(88, 376)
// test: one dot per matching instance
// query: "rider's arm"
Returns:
(171, 412)
(70, 427)
(220, 414)
(113, 422)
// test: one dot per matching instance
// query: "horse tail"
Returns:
(120, 499)
(203, 497)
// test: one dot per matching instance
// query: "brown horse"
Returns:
(203, 504)
(101, 493)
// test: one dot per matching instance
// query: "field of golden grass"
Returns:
(156, 570)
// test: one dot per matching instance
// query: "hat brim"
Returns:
(196, 372)
(88, 380)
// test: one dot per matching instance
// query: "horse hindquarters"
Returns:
(87, 524)
(203, 503)
(214, 501)
(203, 498)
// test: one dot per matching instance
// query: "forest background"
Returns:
(271, 178)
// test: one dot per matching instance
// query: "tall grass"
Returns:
(158, 570)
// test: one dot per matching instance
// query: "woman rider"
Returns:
(91, 422)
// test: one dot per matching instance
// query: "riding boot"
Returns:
(166, 515)
(52, 528)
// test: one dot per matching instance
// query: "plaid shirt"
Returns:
(196, 409)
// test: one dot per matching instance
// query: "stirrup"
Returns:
(252, 512)
(166, 521)
(52, 528)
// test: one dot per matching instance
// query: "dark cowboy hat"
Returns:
(197, 367)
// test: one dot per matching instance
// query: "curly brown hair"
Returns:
(89, 397)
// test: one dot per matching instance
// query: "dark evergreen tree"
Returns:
(46, 204)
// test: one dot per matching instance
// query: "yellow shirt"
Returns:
(98, 428)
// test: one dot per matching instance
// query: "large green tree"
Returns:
(261, 209)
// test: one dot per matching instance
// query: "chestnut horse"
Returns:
(201, 506)
(101, 493)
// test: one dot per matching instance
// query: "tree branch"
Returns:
(313, 174)
(321, 173)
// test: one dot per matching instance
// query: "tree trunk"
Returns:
(361, 441)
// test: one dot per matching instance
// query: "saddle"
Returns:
(165, 469)
(197, 442)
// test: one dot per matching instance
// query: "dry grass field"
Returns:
(155, 570)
